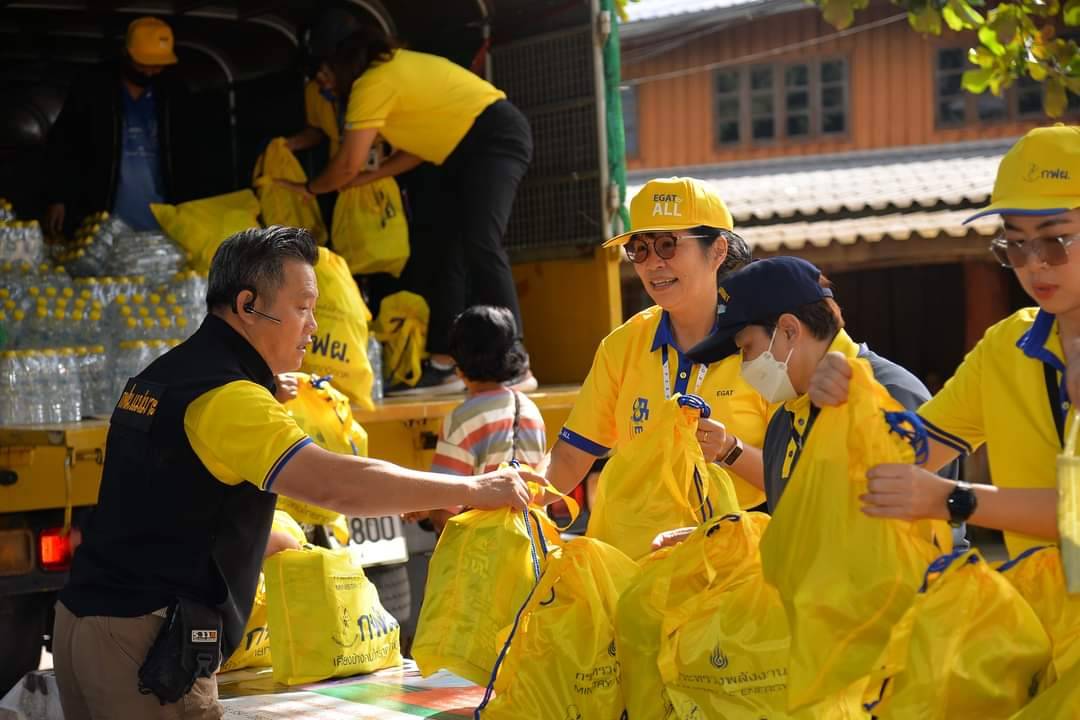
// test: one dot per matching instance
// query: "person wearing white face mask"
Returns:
(781, 315)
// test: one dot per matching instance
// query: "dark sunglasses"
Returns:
(1017, 253)
(637, 250)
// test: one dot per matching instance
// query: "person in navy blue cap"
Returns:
(781, 315)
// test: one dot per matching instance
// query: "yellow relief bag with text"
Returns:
(325, 618)
(845, 578)
(280, 205)
(370, 229)
(560, 660)
(200, 226)
(483, 568)
(340, 344)
(402, 327)
(659, 481)
(969, 646)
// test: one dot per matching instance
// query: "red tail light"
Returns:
(54, 550)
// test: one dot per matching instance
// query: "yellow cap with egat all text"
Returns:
(150, 42)
(675, 203)
(1040, 175)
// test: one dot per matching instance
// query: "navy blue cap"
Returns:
(761, 290)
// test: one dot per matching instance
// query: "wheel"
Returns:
(392, 582)
(22, 625)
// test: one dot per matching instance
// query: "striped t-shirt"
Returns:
(476, 436)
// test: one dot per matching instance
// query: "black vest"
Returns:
(164, 526)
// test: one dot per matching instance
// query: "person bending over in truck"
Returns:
(198, 448)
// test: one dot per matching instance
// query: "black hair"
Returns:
(358, 52)
(485, 345)
(739, 254)
(254, 260)
(821, 318)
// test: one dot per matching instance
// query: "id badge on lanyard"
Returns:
(703, 368)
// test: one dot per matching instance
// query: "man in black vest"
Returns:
(197, 450)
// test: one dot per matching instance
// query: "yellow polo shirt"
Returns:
(422, 104)
(322, 113)
(998, 396)
(627, 380)
(241, 433)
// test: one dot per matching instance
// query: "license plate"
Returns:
(377, 540)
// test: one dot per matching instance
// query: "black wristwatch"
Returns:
(961, 502)
(733, 454)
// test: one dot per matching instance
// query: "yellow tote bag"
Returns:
(280, 205)
(969, 646)
(402, 327)
(659, 481)
(845, 578)
(484, 566)
(1037, 573)
(560, 660)
(200, 226)
(339, 347)
(370, 229)
(325, 618)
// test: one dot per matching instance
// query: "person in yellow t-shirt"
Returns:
(432, 110)
(682, 240)
(1009, 392)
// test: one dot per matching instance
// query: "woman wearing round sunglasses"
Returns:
(1009, 392)
(682, 241)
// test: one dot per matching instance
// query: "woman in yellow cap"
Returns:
(430, 109)
(1009, 391)
(682, 241)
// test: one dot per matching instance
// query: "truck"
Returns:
(557, 60)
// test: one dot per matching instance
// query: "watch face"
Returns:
(961, 504)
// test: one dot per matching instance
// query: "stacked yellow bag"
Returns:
(660, 481)
(370, 229)
(1061, 702)
(325, 618)
(402, 328)
(280, 205)
(200, 226)
(560, 660)
(483, 568)
(845, 578)
(339, 347)
(969, 646)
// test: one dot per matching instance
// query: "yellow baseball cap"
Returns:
(150, 42)
(1040, 175)
(675, 203)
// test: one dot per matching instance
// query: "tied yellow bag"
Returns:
(370, 229)
(845, 578)
(724, 651)
(200, 226)
(280, 205)
(560, 659)
(339, 347)
(402, 328)
(659, 481)
(481, 572)
(969, 646)
(325, 618)
(1037, 574)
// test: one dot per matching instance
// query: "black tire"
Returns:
(392, 582)
(22, 625)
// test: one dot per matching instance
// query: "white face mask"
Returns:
(769, 376)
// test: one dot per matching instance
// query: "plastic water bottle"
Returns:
(52, 384)
(11, 412)
(374, 352)
(68, 362)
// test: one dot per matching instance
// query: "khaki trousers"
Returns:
(97, 660)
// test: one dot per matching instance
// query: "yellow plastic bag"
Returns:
(402, 328)
(483, 568)
(969, 646)
(200, 226)
(845, 578)
(1037, 574)
(370, 229)
(339, 347)
(1061, 702)
(560, 658)
(325, 618)
(659, 481)
(280, 205)
(254, 650)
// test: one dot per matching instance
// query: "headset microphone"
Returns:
(250, 309)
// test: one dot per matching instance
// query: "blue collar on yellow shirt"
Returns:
(1033, 344)
(665, 336)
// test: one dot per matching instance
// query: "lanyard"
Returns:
(667, 376)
